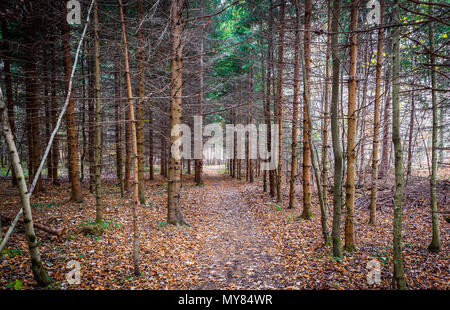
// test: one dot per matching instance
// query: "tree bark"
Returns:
(39, 273)
(306, 171)
(335, 133)
(280, 99)
(140, 101)
(175, 215)
(376, 118)
(351, 133)
(398, 277)
(134, 144)
(72, 140)
(435, 245)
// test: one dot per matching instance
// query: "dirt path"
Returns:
(239, 252)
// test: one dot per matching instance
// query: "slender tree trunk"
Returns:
(39, 273)
(398, 278)
(32, 102)
(150, 144)
(54, 153)
(435, 244)
(335, 133)
(410, 136)
(199, 161)
(325, 111)
(306, 171)
(72, 139)
(295, 105)
(98, 128)
(280, 99)
(8, 88)
(118, 129)
(174, 213)
(351, 134)
(134, 144)
(376, 118)
(140, 101)
(270, 82)
(386, 147)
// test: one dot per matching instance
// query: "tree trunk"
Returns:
(140, 101)
(118, 129)
(98, 128)
(199, 161)
(39, 273)
(8, 88)
(351, 133)
(435, 244)
(280, 99)
(295, 105)
(175, 215)
(134, 144)
(325, 111)
(72, 140)
(376, 118)
(335, 133)
(398, 278)
(306, 171)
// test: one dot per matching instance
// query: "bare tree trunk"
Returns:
(174, 213)
(199, 161)
(98, 128)
(134, 144)
(295, 105)
(118, 129)
(376, 118)
(280, 99)
(351, 134)
(435, 245)
(269, 97)
(398, 278)
(306, 171)
(335, 133)
(140, 101)
(325, 111)
(8, 87)
(386, 147)
(39, 273)
(72, 140)
(33, 105)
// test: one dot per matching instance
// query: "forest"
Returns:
(224, 145)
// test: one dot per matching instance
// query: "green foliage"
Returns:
(97, 229)
(277, 208)
(17, 285)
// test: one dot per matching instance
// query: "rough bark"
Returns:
(435, 244)
(306, 171)
(134, 144)
(140, 110)
(398, 277)
(39, 273)
(175, 215)
(280, 98)
(376, 119)
(72, 139)
(335, 133)
(351, 133)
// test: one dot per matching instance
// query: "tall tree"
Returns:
(351, 132)
(295, 105)
(435, 244)
(335, 133)
(376, 117)
(199, 161)
(280, 98)
(98, 128)
(72, 139)
(39, 273)
(399, 277)
(306, 171)
(134, 143)
(140, 110)
(174, 213)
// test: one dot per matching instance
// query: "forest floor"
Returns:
(239, 238)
